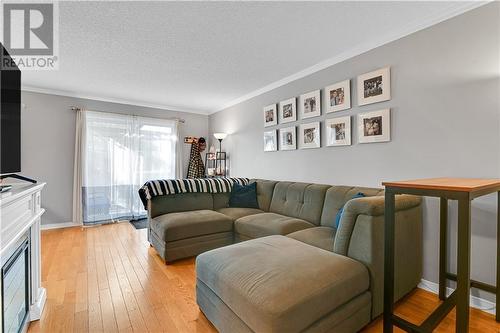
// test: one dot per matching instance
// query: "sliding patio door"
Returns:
(120, 153)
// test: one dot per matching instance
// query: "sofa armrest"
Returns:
(370, 206)
(361, 237)
(374, 206)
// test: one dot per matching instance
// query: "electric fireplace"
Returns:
(23, 296)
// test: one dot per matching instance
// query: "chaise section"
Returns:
(321, 237)
(267, 224)
(177, 235)
(175, 226)
(278, 284)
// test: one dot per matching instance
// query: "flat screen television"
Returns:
(10, 119)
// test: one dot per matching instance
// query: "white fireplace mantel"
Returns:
(20, 213)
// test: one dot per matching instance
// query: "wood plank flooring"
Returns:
(108, 279)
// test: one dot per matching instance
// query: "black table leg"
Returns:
(463, 269)
(497, 311)
(443, 241)
(389, 261)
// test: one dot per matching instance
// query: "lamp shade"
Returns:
(220, 136)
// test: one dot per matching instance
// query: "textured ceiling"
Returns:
(203, 56)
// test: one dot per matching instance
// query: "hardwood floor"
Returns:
(108, 279)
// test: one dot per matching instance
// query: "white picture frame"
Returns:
(310, 135)
(310, 104)
(288, 138)
(270, 141)
(270, 115)
(288, 110)
(338, 131)
(374, 126)
(338, 96)
(374, 87)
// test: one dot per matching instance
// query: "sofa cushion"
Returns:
(181, 202)
(221, 200)
(321, 237)
(337, 196)
(300, 200)
(265, 189)
(236, 213)
(175, 226)
(266, 224)
(278, 284)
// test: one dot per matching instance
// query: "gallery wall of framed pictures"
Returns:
(371, 126)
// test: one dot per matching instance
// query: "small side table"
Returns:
(464, 190)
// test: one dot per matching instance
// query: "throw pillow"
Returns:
(341, 210)
(244, 196)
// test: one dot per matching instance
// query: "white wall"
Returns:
(445, 122)
(48, 141)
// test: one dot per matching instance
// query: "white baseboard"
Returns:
(59, 225)
(475, 302)
(37, 308)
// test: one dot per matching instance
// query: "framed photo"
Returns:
(270, 115)
(309, 136)
(270, 141)
(288, 111)
(310, 105)
(338, 96)
(338, 131)
(375, 86)
(288, 138)
(374, 126)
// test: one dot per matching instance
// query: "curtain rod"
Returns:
(76, 108)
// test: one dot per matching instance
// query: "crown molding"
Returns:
(109, 99)
(360, 49)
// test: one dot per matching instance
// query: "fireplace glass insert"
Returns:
(15, 287)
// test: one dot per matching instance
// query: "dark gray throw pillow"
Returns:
(244, 196)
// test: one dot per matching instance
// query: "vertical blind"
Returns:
(122, 152)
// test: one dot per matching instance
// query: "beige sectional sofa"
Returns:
(290, 269)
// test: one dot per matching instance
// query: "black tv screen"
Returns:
(10, 119)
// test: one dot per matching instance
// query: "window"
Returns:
(122, 152)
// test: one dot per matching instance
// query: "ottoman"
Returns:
(279, 284)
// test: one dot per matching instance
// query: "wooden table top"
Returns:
(448, 184)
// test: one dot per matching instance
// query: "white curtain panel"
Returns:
(179, 161)
(77, 167)
(121, 153)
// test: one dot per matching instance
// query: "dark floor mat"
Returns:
(140, 224)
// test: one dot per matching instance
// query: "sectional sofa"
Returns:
(286, 267)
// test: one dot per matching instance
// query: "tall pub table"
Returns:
(464, 190)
